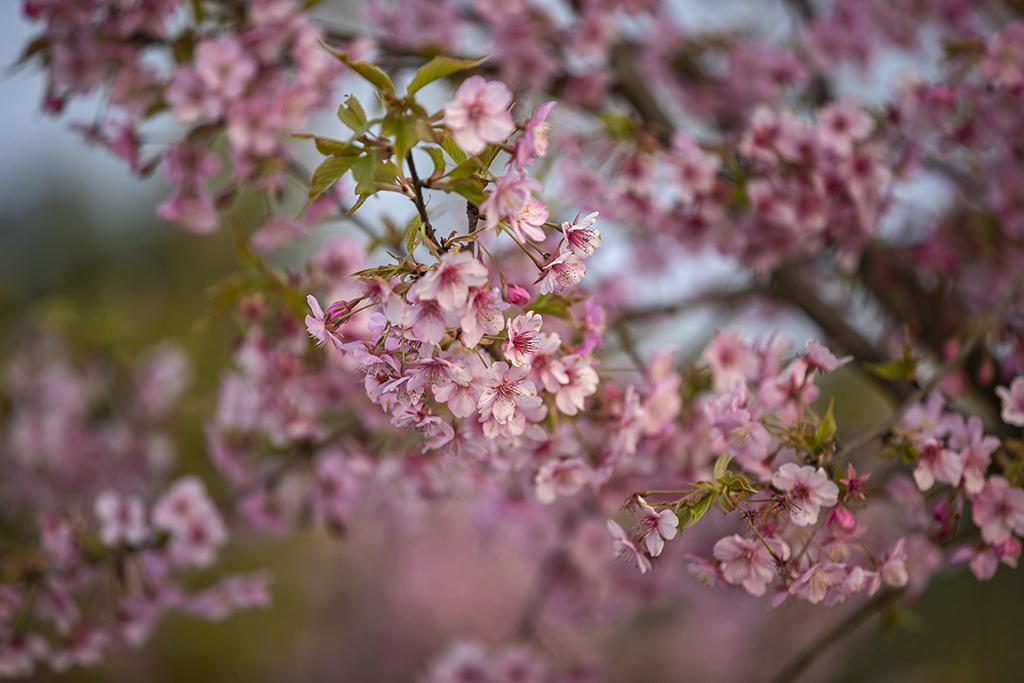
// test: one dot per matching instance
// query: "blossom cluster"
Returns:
(469, 359)
(106, 522)
(249, 75)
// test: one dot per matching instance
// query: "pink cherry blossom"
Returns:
(223, 66)
(747, 562)
(998, 510)
(821, 359)
(893, 570)
(624, 548)
(478, 114)
(517, 295)
(975, 450)
(509, 199)
(195, 526)
(561, 478)
(319, 327)
(546, 366)
(696, 170)
(193, 209)
(523, 333)
(189, 99)
(842, 124)
(1013, 402)
(809, 490)
(450, 282)
(730, 359)
(482, 315)
(937, 463)
(581, 381)
(1004, 60)
(534, 141)
(562, 273)
(654, 527)
(505, 391)
(528, 222)
(122, 519)
(581, 236)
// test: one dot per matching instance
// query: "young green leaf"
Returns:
(352, 114)
(437, 68)
(372, 73)
(327, 173)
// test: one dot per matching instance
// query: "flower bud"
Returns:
(516, 294)
(843, 520)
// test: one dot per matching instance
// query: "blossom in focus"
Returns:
(562, 273)
(654, 528)
(581, 235)
(450, 282)
(809, 490)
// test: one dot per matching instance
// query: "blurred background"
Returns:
(81, 253)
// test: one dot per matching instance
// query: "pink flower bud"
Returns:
(517, 295)
(843, 520)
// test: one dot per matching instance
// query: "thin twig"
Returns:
(421, 206)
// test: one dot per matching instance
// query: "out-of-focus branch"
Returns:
(715, 298)
(803, 661)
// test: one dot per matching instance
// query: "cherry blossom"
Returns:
(747, 562)
(478, 115)
(998, 510)
(561, 478)
(122, 520)
(809, 489)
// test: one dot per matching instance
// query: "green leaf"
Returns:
(327, 173)
(736, 482)
(437, 156)
(897, 369)
(408, 130)
(471, 189)
(617, 126)
(330, 146)
(372, 73)
(412, 234)
(437, 68)
(551, 305)
(359, 202)
(721, 466)
(454, 151)
(352, 114)
(691, 514)
(827, 427)
(363, 172)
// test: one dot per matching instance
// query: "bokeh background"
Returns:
(82, 254)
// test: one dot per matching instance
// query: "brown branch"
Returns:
(421, 206)
(724, 297)
(803, 661)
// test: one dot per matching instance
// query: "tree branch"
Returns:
(803, 661)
